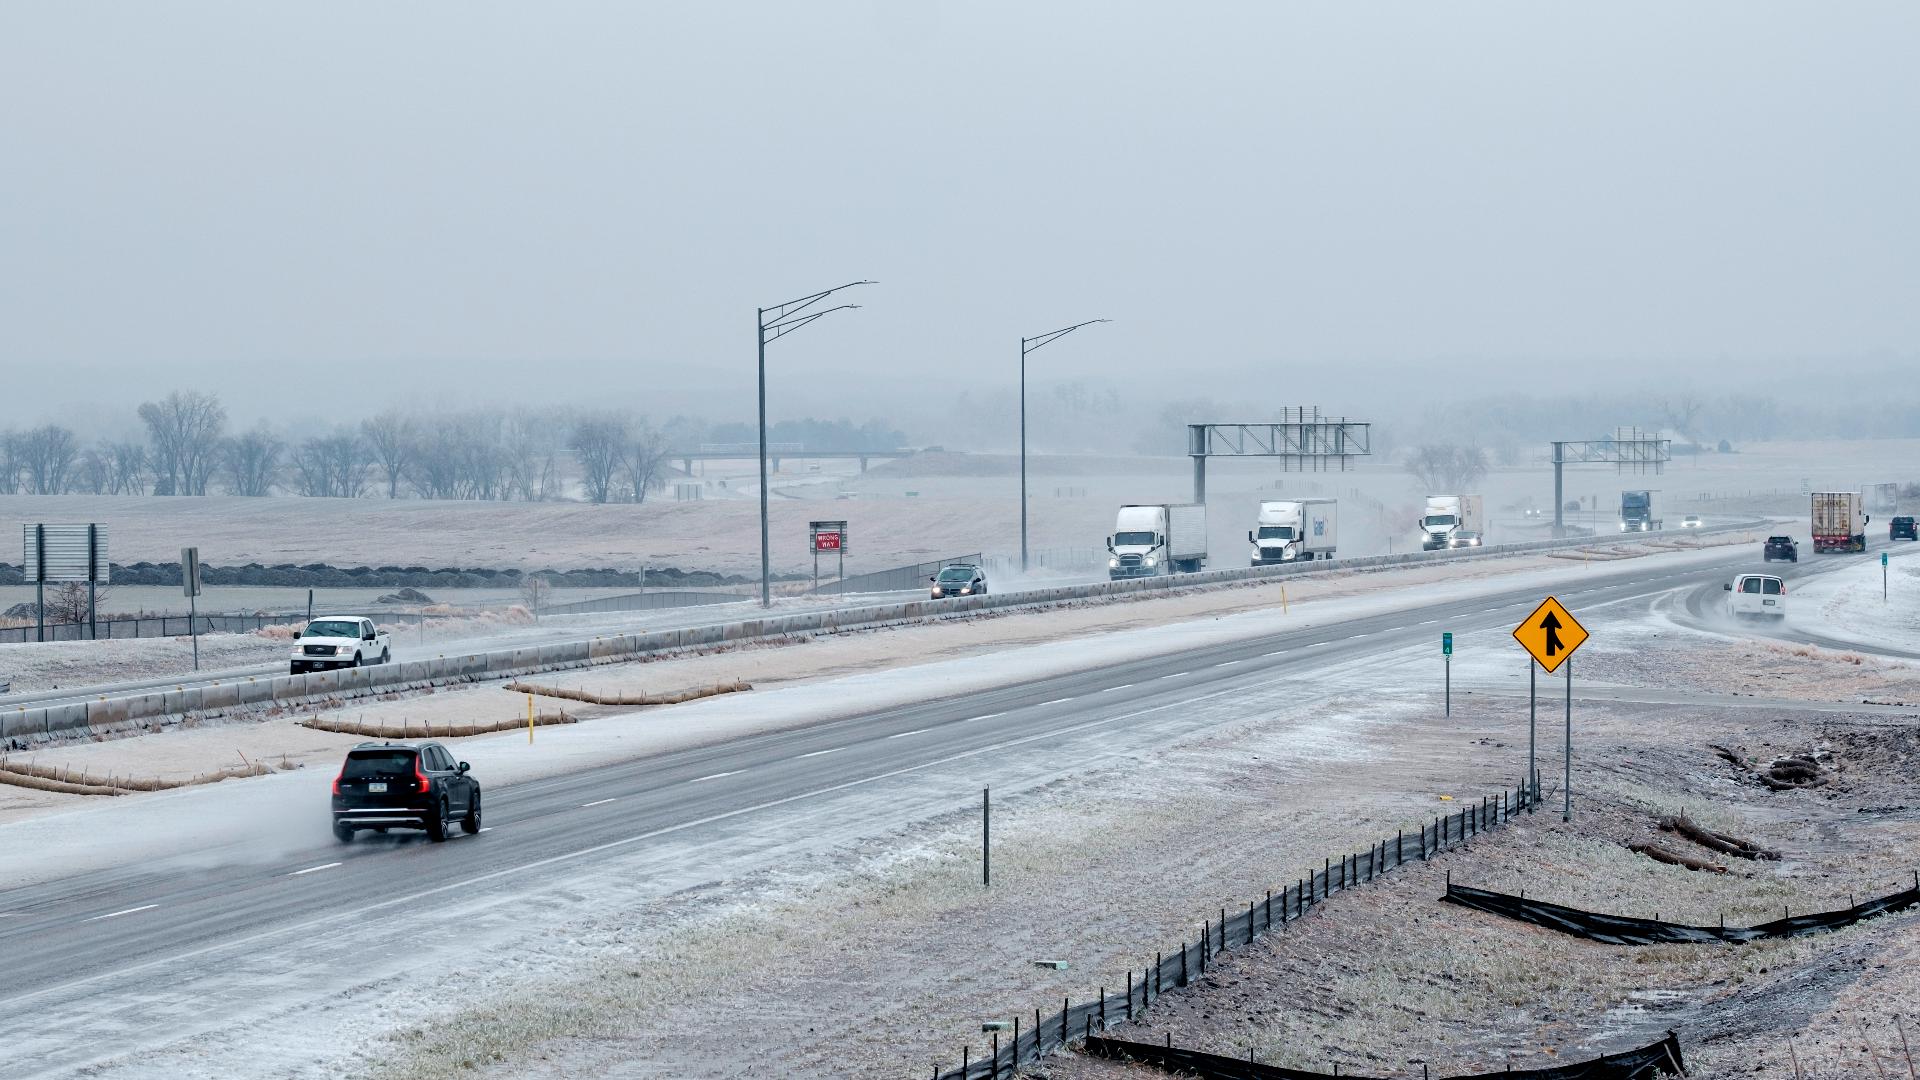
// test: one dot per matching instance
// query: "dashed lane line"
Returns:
(314, 869)
(817, 753)
(129, 911)
(904, 734)
(715, 776)
(596, 802)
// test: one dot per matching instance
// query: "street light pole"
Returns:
(1028, 345)
(785, 319)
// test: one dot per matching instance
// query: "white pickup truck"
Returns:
(332, 641)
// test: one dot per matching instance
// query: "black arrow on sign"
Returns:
(1551, 624)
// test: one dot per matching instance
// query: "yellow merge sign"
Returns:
(1551, 634)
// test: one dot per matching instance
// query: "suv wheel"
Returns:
(471, 823)
(437, 824)
(343, 832)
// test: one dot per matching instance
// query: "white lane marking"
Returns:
(312, 869)
(989, 716)
(129, 911)
(1122, 686)
(335, 917)
(817, 753)
(596, 802)
(1391, 629)
(1276, 652)
(1055, 701)
(715, 776)
(1428, 622)
(904, 734)
(485, 828)
(1175, 675)
(1317, 644)
(1226, 663)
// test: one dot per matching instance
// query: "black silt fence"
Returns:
(898, 579)
(1030, 1038)
(1656, 1059)
(159, 626)
(1621, 930)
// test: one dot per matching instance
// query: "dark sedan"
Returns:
(959, 580)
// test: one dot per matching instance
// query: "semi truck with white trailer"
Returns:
(1157, 538)
(1295, 530)
(1453, 521)
(1636, 512)
(1839, 521)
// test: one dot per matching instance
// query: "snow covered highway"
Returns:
(289, 951)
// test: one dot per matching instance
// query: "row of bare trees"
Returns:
(614, 457)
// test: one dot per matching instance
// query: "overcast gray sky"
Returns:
(319, 205)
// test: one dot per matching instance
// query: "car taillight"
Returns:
(337, 779)
(418, 776)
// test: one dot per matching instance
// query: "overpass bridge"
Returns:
(775, 452)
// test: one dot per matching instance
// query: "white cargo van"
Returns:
(1757, 594)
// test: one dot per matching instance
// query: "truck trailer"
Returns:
(1157, 538)
(1453, 521)
(1839, 521)
(1295, 530)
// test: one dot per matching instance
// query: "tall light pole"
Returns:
(775, 323)
(1027, 345)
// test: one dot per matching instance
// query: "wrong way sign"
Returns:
(1550, 634)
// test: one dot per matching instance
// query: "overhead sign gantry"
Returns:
(1628, 449)
(1303, 440)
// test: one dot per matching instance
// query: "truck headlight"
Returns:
(1623, 526)
(1113, 563)
(1148, 560)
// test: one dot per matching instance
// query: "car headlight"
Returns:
(1148, 560)
(965, 589)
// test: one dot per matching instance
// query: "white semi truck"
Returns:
(1295, 530)
(1453, 521)
(1839, 521)
(1157, 538)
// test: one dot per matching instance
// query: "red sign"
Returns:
(826, 541)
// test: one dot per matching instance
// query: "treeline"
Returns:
(527, 454)
(481, 454)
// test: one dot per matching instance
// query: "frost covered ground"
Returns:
(866, 948)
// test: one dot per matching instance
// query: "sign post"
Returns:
(1883, 577)
(190, 584)
(1550, 635)
(1446, 656)
(830, 536)
(63, 553)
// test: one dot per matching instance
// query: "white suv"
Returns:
(1757, 594)
(332, 641)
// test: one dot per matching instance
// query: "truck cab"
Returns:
(1636, 512)
(1293, 530)
(1153, 539)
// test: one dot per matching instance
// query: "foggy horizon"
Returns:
(477, 206)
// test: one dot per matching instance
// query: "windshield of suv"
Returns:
(372, 764)
(332, 628)
(957, 573)
(1137, 539)
(1276, 532)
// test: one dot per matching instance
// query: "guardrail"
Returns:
(113, 713)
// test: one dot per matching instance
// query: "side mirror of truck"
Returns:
(1728, 586)
(296, 635)
(1250, 536)
(1109, 545)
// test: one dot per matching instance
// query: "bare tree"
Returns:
(600, 446)
(9, 463)
(46, 456)
(66, 601)
(640, 465)
(127, 462)
(184, 428)
(391, 439)
(94, 473)
(252, 462)
(1447, 467)
(331, 466)
(1681, 414)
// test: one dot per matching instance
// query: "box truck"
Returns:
(1157, 538)
(1294, 530)
(1839, 521)
(1453, 521)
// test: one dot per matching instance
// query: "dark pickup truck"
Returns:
(1780, 547)
(1902, 528)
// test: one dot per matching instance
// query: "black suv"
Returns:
(1780, 547)
(1902, 528)
(960, 579)
(391, 785)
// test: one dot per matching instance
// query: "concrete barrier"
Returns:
(343, 683)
